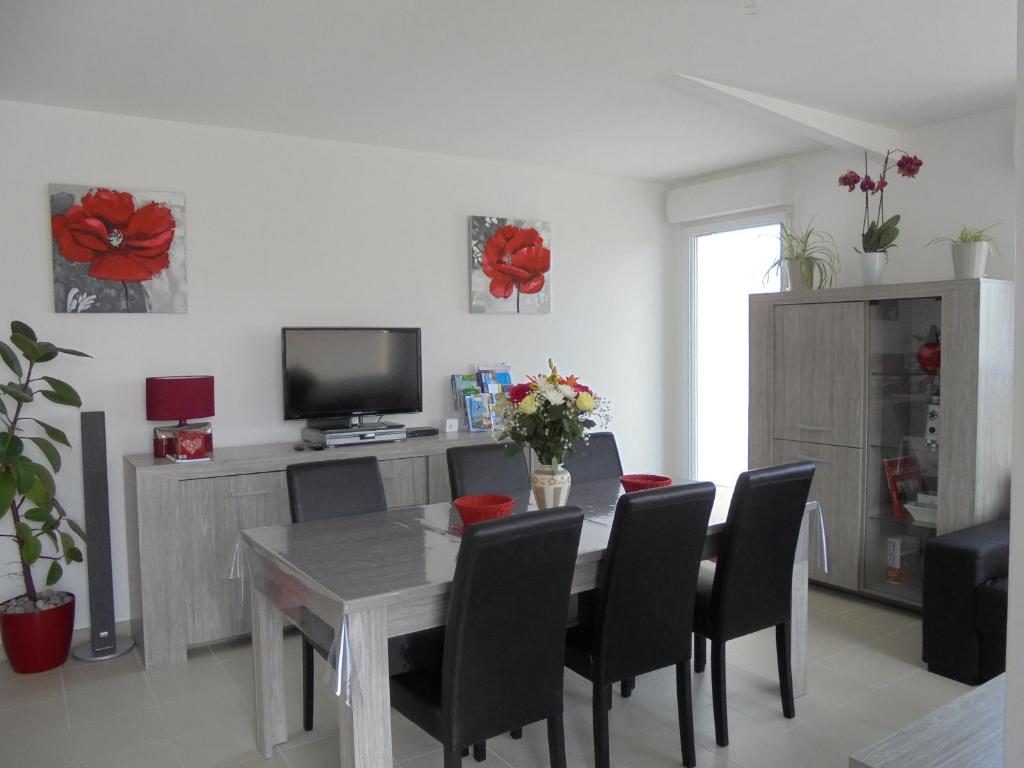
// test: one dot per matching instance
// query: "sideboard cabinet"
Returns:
(184, 520)
(902, 397)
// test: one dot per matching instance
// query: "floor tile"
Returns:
(205, 710)
(221, 745)
(117, 734)
(109, 697)
(656, 748)
(884, 617)
(30, 719)
(531, 751)
(436, 760)
(158, 755)
(19, 690)
(80, 673)
(49, 749)
(189, 682)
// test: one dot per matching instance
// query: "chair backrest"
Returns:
(505, 638)
(646, 595)
(597, 458)
(753, 578)
(476, 469)
(325, 489)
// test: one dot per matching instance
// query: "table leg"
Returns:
(365, 726)
(268, 655)
(798, 629)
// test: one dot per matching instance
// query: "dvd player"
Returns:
(333, 438)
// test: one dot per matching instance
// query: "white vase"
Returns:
(873, 262)
(551, 486)
(794, 275)
(969, 260)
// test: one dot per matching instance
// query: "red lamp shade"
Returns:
(179, 398)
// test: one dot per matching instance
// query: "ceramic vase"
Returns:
(969, 260)
(873, 262)
(794, 275)
(551, 486)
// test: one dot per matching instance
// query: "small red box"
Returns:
(190, 446)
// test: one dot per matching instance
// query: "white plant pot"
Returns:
(969, 260)
(873, 262)
(794, 275)
(551, 487)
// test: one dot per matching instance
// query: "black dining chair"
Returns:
(596, 458)
(750, 587)
(642, 615)
(476, 469)
(504, 646)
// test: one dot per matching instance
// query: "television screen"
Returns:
(331, 372)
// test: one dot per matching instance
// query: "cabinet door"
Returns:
(819, 366)
(838, 487)
(405, 481)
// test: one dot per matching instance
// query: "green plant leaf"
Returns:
(53, 573)
(73, 555)
(10, 359)
(19, 327)
(10, 447)
(47, 352)
(74, 352)
(66, 542)
(28, 346)
(22, 531)
(31, 549)
(79, 531)
(41, 494)
(46, 448)
(52, 537)
(52, 432)
(61, 392)
(3, 408)
(8, 489)
(36, 515)
(24, 470)
(16, 391)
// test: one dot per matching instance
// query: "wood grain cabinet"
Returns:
(184, 521)
(903, 450)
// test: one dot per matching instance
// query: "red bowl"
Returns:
(483, 506)
(632, 483)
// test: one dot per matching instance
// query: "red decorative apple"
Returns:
(929, 356)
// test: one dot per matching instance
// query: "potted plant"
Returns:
(879, 234)
(970, 251)
(808, 258)
(549, 414)
(35, 626)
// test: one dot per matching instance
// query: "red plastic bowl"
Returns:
(632, 483)
(484, 506)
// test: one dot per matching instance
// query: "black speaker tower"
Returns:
(104, 642)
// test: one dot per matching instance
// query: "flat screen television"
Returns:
(338, 373)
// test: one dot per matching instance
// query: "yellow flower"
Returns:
(585, 402)
(528, 405)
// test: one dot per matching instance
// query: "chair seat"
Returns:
(417, 695)
(991, 611)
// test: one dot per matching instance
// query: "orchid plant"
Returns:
(878, 232)
(549, 414)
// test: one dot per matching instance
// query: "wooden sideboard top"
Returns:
(274, 457)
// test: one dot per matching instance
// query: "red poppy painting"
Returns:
(510, 264)
(116, 250)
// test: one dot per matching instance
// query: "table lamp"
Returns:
(181, 398)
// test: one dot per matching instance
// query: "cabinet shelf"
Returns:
(896, 374)
(913, 523)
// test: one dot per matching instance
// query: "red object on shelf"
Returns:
(631, 483)
(483, 506)
(929, 356)
(36, 642)
(179, 398)
(903, 476)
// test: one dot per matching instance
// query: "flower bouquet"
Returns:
(549, 414)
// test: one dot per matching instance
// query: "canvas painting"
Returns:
(510, 263)
(117, 250)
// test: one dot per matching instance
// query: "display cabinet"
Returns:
(901, 395)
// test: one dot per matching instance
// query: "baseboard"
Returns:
(122, 628)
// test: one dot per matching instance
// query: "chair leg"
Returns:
(453, 756)
(480, 751)
(307, 685)
(601, 705)
(556, 742)
(684, 701)
(516, 733)
(718, 692)
(464, 752)
(700, 653)
(627, 686)
(783, 640)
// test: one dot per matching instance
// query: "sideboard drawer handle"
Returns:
(809, 428)
(242, 494)
(815, 459)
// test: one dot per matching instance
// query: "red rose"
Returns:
(518, 393)
(515, 258)
(118, 240)
(850, 179)
(867, 185)
(909, 165)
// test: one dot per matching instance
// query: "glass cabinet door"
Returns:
(904, 440)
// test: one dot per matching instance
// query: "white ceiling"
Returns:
(585, 84)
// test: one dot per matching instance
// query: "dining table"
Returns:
(376, 576)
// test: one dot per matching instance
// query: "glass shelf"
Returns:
(897, 374)
(914, 523)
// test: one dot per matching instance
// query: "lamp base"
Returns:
(183, 441)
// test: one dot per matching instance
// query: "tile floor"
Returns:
(865, 680)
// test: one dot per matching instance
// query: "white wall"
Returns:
(291, 231)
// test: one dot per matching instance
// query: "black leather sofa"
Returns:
(965, 597)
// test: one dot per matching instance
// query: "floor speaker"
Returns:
(103, 641)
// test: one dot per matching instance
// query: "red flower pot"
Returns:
(36, 642)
